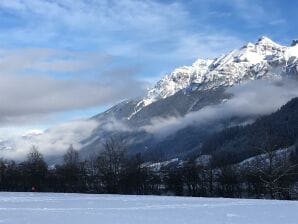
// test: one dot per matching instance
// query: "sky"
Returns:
(62, 60)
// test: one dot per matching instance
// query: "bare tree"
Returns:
(71, 156)
(35, 169)
(273, 168)
(71, 173)
(110, 164)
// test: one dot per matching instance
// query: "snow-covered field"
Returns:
(48, 208)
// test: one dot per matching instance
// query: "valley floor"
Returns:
(46, 208)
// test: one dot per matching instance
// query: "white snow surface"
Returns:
(50, 208)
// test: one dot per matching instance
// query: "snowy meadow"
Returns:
(48, 208)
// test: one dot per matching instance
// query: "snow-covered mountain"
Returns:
(189, 89)
(264, 59)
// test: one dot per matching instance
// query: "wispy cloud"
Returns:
(45, 61)
(125, 28)
(278, 22)
(255, 13)
(250, 99)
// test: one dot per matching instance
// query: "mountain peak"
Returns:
(294, 42)
(263, 40)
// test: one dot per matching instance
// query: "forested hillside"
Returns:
(278, 130)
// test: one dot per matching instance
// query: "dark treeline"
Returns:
(270, 175)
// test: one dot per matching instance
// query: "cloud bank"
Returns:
(54, 141)
(253, 98)
(38, 82)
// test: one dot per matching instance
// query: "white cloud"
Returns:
(114, 125)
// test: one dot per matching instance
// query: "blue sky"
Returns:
(65, 59)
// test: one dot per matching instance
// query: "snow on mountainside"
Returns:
(263, 60)
(171, 110)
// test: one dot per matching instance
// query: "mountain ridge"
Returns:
(233, 67)
(190, 88)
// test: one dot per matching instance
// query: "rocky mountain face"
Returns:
(188, 89)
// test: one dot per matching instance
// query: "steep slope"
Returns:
(191, 88)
